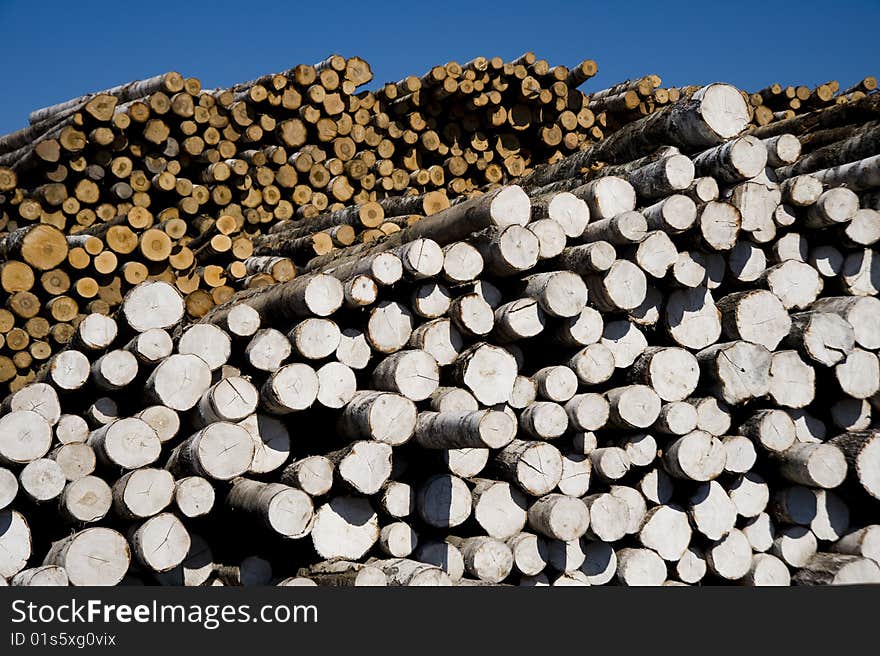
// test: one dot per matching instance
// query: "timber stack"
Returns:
(476, 327)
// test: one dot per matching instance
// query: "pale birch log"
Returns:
(160, 543)
(162, 419)
(862, 313)
(691, 318)
(794, 545)
(640, 448)
(208, 342)
(462, 262)
(760, 532)
(862, 452)
(42, 480)
(861, 542)
(672, 373)
(231, 399)
(551, 237)
(859, 375)
(524, 393)
(822, 337)
(676, 418)
(740, 370)
(771, 429)
(622, 229)
(251, 571)
(560, 293)
(746, 262)
(755, 316)
(405, 572)
(151, 346)
(801, 190)
(712, 512)
(195, 570)
(46, 575)
(691, 567)
(640, 567)
(835, 206)
(95, 332)
(179, 381)
(622, 287)
(316, 294)
(796, 284)
(565, 557)
(345, 527)
(792, 381)
(285, 510)
(314, 338)
(730, 557)
(508, 251)
(656, 486)
(220, 451)
(465, 463)
(421, 258)
(795, 505)
(430, 300)
(595, 257)
(440, 338)
(674, 214)
(733, 161)
(663, 177)
(152, 304)
(142, 493)
(478, 429)
(291, 388)
(396, 499)
(412, 373)
(24, 437)
(782, 149)
(472, 315)
(485, 558)
(611, 463)
(609, 517)
(241, 321)
(337, 384)
(625, 341)
(702, 190)
(363, 466)
(193, 496)
(345, 574)
(580, 330)
(456, 399)
(587, 412)
(566, 209)
(792, 246)
(8, 487)
(384, 268)
(129, 443)
(530, 553)
(36, 397)
(544, 420)
(816, 465)
(718, 224)
(696, 456)
(381, 416)
(576, 470)
(688, 270)
(443, 555)
(536, 467)
(353, 350)
(85, 500)
(267, 350)
(487, 371)
(559, 517)
(94, 556)
(71, 429)
(741, 454)
(635, 504)
(837, 569)
(633, 406)
(444, 501)
(607, 197)
(863, 230)
(860, 275)
(593, 364)
(666, 531)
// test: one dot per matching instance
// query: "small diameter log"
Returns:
(696, 456)
(767, 570)
(405, 572)
(397, 499)
(576, 470)
(336, 385)
(444, 501)
(461, 262)
(593, 364)
(861, 542)
(160, 543)
(363, 466)
(485, 558)
(837, 569)
(607, 197)
(95, 556)
(609, 517)
(143, 493)
(95, 333)
(862, 313)
(193, 496)
(794, 545)
(862, 452)
(666, 531)
(734, 161)
(557, 383)
(519, 319)
(508, 251)
(595, 257)
(740, 370)
(151, 346)
(730, 557)
(291, 388)
(559, 517)
(472, 315)
(566, 209)
(85, 500)
(345, 574)
(792, 381)
(611, 463)
(179, 381)
(691, 567)
(163, 420)
(620, 230)
(24, 437)
(796, 284)
(822, 337)
(772, 429)
(345, 527)
(241, 321)
(640, 567)
(479, 429)
(676, 418)
(220, 451)
(672, 373)
(47, 575)
(691, 318)
(833, 207)
(815, 465)
(382, 416)
(412, 373)
(634, 406)
(42, 480)
(445, 556)
(114, 370)
(128, 443)
(712, 512)
(536, 467)
(587, 412)
(559, 293)
(283, 509)
(622, 287)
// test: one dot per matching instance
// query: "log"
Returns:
(697, 456)
(220, 451)
(536, 467)
(444, 501)
(344, 527)
(862, 452)
(143, 493)
(94, 556)
(283, 509)
(837, 569)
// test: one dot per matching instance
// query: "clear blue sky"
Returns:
(53, 50)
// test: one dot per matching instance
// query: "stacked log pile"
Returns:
(651, 359)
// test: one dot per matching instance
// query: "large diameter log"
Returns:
(193, 496)
(755, 316)
(816, 465)
(179, 381)
(143, 493)
(412, 373)
(38, 397)
(160, 543)
(634, 406)
(24, 437)
(666, 531)
(772, 429)
(481, 429)
(640, 567)
(711, 510)
(862, 452)
(364, 466)
(559, 293)
(696, 456)
(740, 370)
(822, 337)
(129, 443)
(95, 556)
(692, 319)
(231, 399)
(487, 371)
(220, 451)
(283, 509)
(862, 313)
(837, 569)
(85, 500)
(607, 197)
(382, 416)
(566, 209)
(622, 287)
(559, 517)
(153, 304)
(291, 388)
(730, 557)
(672, 373)
(345, 527)
(536, 467)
